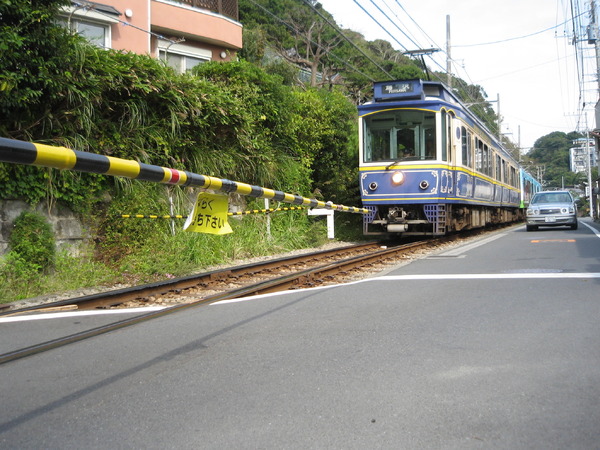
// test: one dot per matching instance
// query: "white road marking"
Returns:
(454, 276)
(596, 232)
(488, 276)
(60, 315)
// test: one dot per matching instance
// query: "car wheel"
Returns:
(574, 226)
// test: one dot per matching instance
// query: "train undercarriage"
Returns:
(434, 219)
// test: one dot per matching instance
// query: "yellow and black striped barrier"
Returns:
(151, 216)
(239, 213)
(21, 152)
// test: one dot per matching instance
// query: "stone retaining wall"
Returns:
(68, 229)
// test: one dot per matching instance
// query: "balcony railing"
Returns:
(227, 8)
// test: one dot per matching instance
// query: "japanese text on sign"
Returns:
(209, 215)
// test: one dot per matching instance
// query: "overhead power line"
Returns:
(394, 23)
(517, 37)
(381, 26)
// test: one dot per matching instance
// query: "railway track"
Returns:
(295, 272)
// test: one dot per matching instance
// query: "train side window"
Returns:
(486, 160)
(464, 146)
(499, 164)
(478, 155)
(469, 150)
(446, 136)
(444, 155)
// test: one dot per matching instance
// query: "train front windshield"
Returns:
(399, 135)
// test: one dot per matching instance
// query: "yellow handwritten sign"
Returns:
(209, 215)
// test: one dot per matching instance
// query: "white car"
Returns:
(552, 209)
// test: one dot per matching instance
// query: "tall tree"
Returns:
(313, 41)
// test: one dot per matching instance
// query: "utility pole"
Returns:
(499, 119)
(519, 143)
(448, 50)
(589, 167)
(593, 39)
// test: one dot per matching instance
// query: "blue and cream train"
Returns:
(428, 166)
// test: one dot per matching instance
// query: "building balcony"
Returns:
(228, 8)
(194, 20)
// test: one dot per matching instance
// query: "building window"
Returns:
(97, 34)
(180, 63)
(91, 20)
(182, 57)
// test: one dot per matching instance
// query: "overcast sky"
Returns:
(519, 50)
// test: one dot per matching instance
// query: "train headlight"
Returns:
(397, 178)
(373, 186)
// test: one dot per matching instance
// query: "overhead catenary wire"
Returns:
(395, 24)
(381, 26)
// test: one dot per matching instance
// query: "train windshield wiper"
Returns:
(394, 163)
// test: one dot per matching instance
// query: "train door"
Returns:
(448, 155)
(437, 213)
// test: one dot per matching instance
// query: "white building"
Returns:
(579, 155)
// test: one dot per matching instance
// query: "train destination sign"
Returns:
(389, 90)
(397, 88)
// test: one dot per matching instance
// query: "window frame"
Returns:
(71, 16)
(184, 51)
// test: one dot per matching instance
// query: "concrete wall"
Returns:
(68, 229)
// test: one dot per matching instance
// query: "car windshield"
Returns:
(552, 197)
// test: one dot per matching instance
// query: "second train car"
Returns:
(428, 166)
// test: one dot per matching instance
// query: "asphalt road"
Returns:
(489, 345)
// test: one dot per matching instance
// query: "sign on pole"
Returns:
(209, 215)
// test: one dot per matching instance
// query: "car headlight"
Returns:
(397, 178)
(571, 209)
(532, 211)
(564, 210)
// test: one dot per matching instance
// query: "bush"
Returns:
(32, 241)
